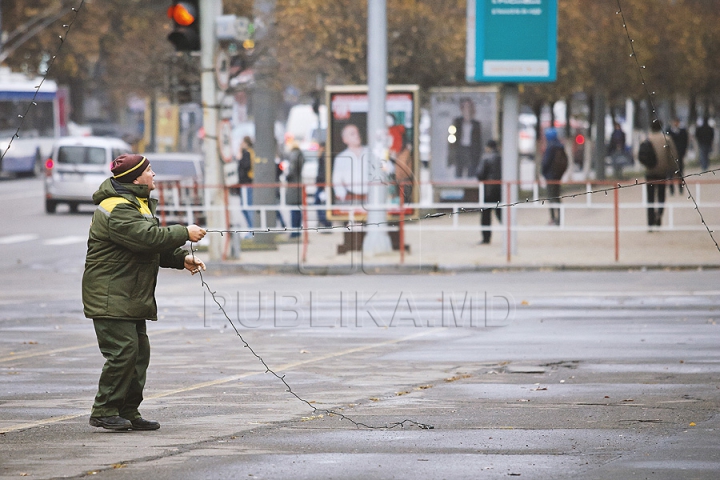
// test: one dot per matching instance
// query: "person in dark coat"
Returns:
(704, 136)
(246, 174)
(320, 193)
(490, 169)
(294, 191)
(550, 173)
(464, 141)
(617, 149)
(126, 247)
(679, 134)
(656, 177)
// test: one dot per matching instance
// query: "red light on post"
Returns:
(185, 15)
(49, 164)
(182, 14)
(580, 139)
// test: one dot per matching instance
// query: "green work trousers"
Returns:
(126, 348)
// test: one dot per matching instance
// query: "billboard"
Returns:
(511, 41)
(462, 121)
(347, 156)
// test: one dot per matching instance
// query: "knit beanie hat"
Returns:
(127, 167)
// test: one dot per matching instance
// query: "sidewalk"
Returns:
(436, 245)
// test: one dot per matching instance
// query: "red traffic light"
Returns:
(580, 139)
(186, 32)
(182, 13)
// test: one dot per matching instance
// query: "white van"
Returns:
(77, 167)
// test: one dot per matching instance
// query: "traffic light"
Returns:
(185, 15)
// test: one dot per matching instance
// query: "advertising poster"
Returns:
(348, 162)
(462, 122)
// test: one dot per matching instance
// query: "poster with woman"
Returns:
(350, 170)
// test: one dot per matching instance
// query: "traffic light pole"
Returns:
(214, 198)
(510, 113)
(265, 99)
(376, 241)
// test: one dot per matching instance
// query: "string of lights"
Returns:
(650, 94)
(53, 57)
(288, 388)
(462, 211)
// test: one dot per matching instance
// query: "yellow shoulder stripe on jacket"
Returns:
(109, 204)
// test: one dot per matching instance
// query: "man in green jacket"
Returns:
(126, 247)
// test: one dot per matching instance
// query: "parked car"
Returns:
(77, 167)
(179, 186)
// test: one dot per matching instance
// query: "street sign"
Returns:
(233, 28)
(225, 103)
(222, 70)
(225, 147)
(511, 41)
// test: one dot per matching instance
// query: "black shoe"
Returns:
(111, 423)
(142, 424)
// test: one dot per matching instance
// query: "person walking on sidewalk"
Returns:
(126, 247)
(294, 191)
(617, 150)
(679, 134)
(554, 164)
(656, 176)
(704, 136)
(246, 174)
(490, 169)
(320, 192)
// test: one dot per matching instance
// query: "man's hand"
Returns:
(193, 264)
(195, 233)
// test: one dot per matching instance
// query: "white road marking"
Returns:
(18, 238)
(66, 240)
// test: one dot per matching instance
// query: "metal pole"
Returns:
(264, 105)
(510, 113)
(599, 136)
(616, 201)
(376, 241)
(209, 10)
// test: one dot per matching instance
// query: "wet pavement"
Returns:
(540, 374)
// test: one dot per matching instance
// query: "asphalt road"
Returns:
(539, 374)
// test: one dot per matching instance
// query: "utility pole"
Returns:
(599, 136)
(376, 241)
(510, 113)
(214, 199)
(264, 107)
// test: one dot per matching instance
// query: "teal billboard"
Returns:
(511, 41)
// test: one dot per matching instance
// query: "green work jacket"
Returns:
(126, 247)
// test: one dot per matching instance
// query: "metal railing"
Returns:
(185, 204)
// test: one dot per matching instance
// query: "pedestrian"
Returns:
(246, 174)
(490, 169)
(554, 164)
(679, 134)
(704, 136)
(294, 190)
(656, 176)
(617, 150)
(320, 193)
(126, 247)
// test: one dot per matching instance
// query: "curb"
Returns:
(227, 268)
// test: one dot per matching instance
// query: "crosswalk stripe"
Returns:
(18, 238)
(66, 240)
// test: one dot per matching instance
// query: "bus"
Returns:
(39, 128)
